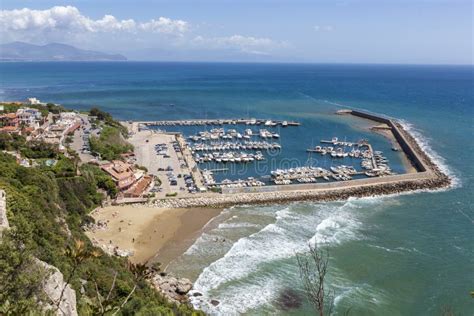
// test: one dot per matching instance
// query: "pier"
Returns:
(200, 122)
(427, 175)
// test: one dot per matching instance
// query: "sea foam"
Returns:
(424, 143)
(231, 278)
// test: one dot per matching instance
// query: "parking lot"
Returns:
(161, 154)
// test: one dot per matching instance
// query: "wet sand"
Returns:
(145, 230)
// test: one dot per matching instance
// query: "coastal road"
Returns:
(78, 139)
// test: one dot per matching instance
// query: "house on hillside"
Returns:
(121, 172)
(9, 123)
(130, 181)
(29, 117)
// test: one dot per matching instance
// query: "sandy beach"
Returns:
(145, 231)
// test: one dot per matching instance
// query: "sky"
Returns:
(315, 31)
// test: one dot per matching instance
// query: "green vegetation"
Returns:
(20, 275)
(110, 144)
(216, 189)
(44, 109)
(31, 149)
(69, 139)
(172, 194)
(101, 179)
(141, 168)
(47, 207)
(55, 109)
(107, 119)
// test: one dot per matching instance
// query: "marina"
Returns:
(241, 121)
(230, 134)
(224, 146)
(244, 157)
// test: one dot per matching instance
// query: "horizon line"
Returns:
(237, 62)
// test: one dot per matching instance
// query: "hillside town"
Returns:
(69, 133)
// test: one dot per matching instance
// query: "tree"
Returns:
(313, 268)
(106, 304)
(78, 253)
(21, 287)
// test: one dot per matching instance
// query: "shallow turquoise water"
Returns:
(399, 255)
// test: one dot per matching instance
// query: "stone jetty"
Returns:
(428, 177)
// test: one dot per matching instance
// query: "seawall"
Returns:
(399, 136)
(427, 177)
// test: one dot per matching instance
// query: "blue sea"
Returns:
(410, 254)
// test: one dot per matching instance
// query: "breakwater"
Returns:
(240, 121)
(427, 177)
(334, 194)
(400, 136)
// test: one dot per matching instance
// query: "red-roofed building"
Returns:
(121, 172)
(139, 187)
(9, 123)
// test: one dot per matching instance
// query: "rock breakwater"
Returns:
(430, 179)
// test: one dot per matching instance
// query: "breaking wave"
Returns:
(424, 143)
(243, 271)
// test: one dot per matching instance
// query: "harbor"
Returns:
(241, 121)
(213, 162)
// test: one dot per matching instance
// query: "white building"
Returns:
(29, 117)
(68, 116)
(33, 101)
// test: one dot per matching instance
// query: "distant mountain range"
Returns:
(19, 51)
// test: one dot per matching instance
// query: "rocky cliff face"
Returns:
(54, 283)
(53, 286)
(3, 212)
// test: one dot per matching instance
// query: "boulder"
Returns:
(172, 288)
(184, 286)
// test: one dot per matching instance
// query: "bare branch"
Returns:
(313, 268)
(99, 299)
(125, 301)
(112, 287)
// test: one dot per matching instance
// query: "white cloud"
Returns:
(166, 25)
(247, 44)
(174, 37)
(326, 28)
(68, 19)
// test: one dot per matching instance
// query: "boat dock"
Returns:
(300, 183)
(218, 170)
(262, 122)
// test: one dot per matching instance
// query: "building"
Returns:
(9, 123)
(68, 116)
(29, 117)
(121, 172)
(33, 101)
(140, 187)
(66, 124)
